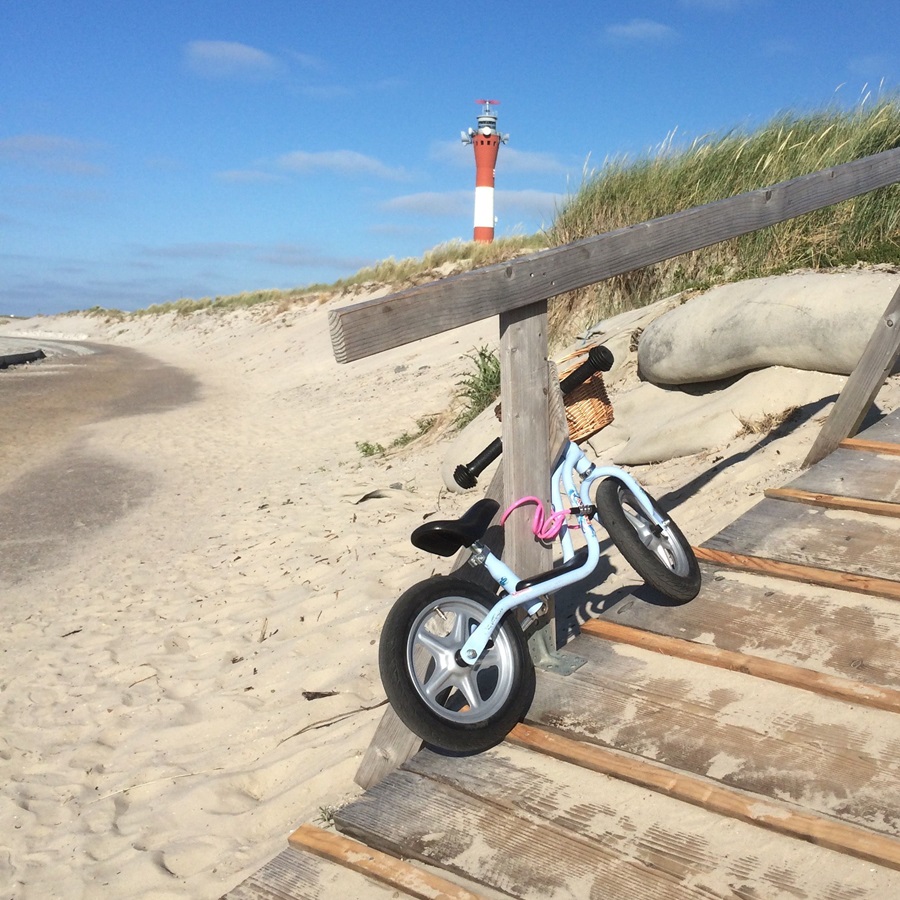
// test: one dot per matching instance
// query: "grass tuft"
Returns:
(628, 191)
(766, 423)
(480, 386)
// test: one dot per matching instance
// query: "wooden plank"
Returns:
(845, 581)
(392, 744)
(871, 446)
(478, 814)
(758, 736)
(796, 676)
(395, 873)
(297, 875)
(697, 845)
(370, 327)
(886, 429)
(522, 856)
(831, 501)
(854, 637)
(832, 540)
(775, 816)
(854, 472)
(864, 383)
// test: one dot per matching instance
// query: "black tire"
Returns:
(664, 559)
(469, 708)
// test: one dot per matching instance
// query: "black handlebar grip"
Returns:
(466, 476)
(599, 359)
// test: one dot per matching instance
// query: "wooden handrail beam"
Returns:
(373, 326)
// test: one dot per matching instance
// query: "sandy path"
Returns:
(197, 564)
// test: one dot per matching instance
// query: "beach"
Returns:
(197, 562)
(195, 572)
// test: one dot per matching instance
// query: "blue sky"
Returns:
(190, 148)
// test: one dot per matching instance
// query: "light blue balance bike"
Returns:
(453, 656)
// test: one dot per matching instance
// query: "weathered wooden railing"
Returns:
(518, 291)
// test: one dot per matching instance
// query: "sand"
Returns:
(196, 563)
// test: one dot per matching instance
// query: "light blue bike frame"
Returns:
(562, 484)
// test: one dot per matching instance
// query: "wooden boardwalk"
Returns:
(743, 745)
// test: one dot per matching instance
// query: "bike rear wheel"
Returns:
(448, 704)
(662, 557)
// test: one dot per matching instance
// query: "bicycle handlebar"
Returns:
(466, 476)
(599, 359)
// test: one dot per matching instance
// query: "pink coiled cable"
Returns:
(545, 527)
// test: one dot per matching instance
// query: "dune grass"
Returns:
(628, 191)
(458, 255)
(450, 257)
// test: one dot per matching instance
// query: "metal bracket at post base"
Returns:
(545, 656)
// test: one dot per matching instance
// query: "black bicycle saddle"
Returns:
(444, 537)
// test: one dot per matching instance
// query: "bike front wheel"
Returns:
(448, 704)
(661, 556)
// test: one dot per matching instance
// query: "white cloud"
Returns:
(201, 250)
(781, 46)
(340, 162)
(432, 203)
(229, 59)
(281, 254)
(50, 152)
(873, 67)
(456, 153)
(247, 176)
(325, 92)
(529, 162)
(641, 30)
(295, 256)
(307, 60)
(534, 204)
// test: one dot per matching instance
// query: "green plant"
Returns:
(325, 818)
(480, 387)
(367, 448)
(424, 425)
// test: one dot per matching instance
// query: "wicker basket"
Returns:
(588, 408)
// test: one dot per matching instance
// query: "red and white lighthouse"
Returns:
(486, 140)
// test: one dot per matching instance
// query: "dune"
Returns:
(198, 563)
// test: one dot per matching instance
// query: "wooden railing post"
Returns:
(864, 383)
(524, 387)
(530, 441)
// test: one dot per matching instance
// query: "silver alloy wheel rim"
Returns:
(434, 641)
(664, 546)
